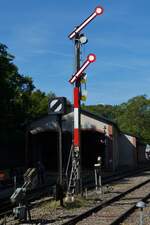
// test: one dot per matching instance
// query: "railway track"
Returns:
(118, 176)
(38, 193)
(115, 210)
(6, 206)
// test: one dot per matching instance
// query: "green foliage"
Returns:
(39, 103)
(135, 117)
(77, 203)
(103, 110)
(19, 101)
(132, 117)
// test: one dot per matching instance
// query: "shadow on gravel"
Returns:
(125, 203)
(48, 221)
(136, 198)
(41, 221)
(117, 192)
(67, 216)
(125, 180)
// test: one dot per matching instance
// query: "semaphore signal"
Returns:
(97, 12)
(90, 59)
(75, 180)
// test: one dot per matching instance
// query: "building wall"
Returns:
(120, 150)
(141, 157)
(93, 125)
(127, 151)
(115, 139)
(86, 123)
(90, 123)
(105, 128)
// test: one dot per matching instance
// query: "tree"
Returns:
(15, 91)
(39, 104)
(135, 116)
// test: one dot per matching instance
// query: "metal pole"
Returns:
(60, 150)
(77, 146)
(141, 205)
(15, 182)
(95, 171)
(100, 181)
(141, 216)
(60, 188)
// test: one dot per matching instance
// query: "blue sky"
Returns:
(36, 32)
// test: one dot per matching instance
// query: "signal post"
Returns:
(75, 176)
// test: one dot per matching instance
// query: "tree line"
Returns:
(132, 117)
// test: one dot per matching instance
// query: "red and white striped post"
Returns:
(77, 89)
(76, 117)
(76, 79)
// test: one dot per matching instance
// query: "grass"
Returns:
(77, 203)
(54, 205)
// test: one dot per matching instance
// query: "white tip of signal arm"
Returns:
(91, 57)
(99, 10)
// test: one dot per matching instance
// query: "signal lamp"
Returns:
(91, 57)
(99, 10)
(83, 39)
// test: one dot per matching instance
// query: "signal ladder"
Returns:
(73, 183)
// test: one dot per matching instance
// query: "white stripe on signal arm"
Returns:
(83, 25)
(86, 22)
(80, 71)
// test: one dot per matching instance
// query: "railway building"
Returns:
(99, 137)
